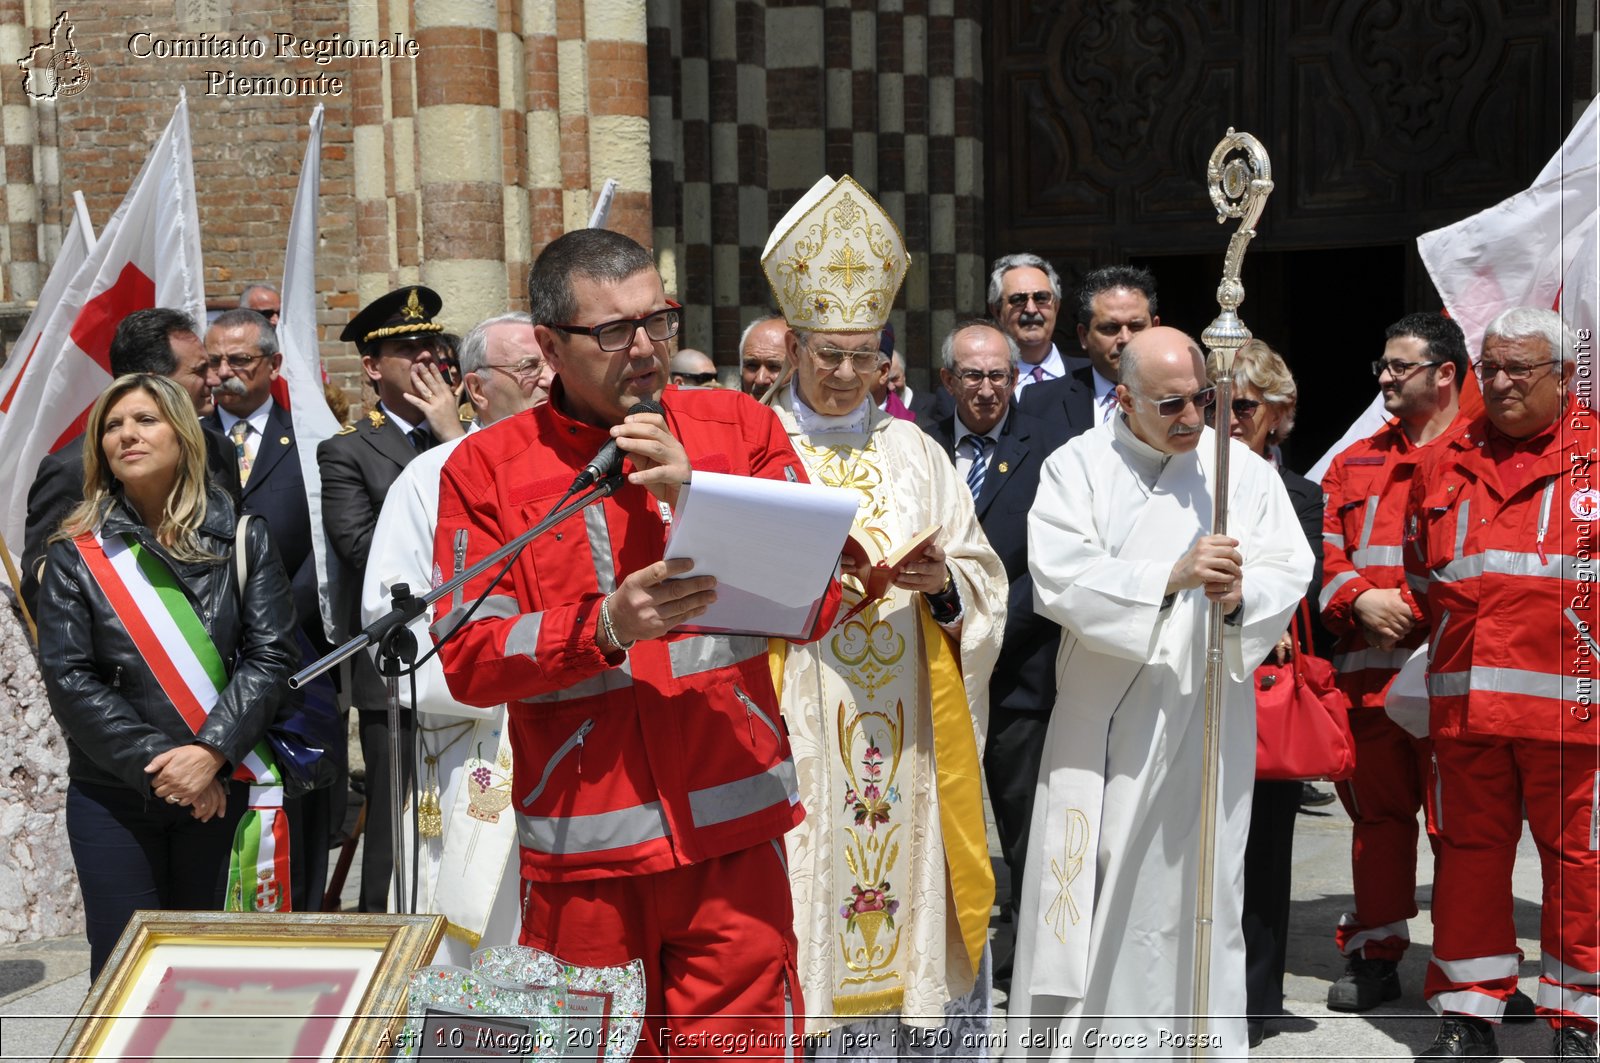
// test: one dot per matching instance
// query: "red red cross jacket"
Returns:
(1363, 529)
(667, 755)
(1507, 582)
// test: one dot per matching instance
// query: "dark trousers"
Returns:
(1268, 867)
(135, 852)
(310, 831)
(1011, 765)
(377, 846)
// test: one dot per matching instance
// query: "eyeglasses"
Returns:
(974, 377)
(235, 361)
(1020, 299)
(831, 358)
(521, 371)
(1397, 368)
(698, 380)
(618, 335)
(1490, 370)
(1245, 407)
(1174, 406)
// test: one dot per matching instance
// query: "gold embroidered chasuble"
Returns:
(879, 928)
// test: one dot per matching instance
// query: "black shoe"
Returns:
(1364, 985)
(1256, 1029)
(1461, 1037)
(1519, 1009)
(1312, 797)
(1573, 1042)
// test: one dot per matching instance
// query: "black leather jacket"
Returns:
(114, 713)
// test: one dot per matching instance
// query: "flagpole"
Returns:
(16, 587)
(1239, 188)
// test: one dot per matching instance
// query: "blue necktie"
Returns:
(979, 448)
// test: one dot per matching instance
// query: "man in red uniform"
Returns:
(1502, 521)
(1366, 603)
(654, 782)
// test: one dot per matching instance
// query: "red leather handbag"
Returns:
(1302, 717)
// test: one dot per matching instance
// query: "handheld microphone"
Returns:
(608, 462)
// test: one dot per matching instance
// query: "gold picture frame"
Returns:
(313, 985)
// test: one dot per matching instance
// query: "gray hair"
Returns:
(244, 296)
(474, 352)
(1021, 260)
(1526, 323)
(745, 335)
(947, 351)
(266, 335)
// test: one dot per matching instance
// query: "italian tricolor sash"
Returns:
(159, 618)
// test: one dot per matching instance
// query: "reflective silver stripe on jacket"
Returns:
(618, 678)
(741, 797)
(571, 835)
(1393, 556)
(523, 637)
(1582, 631)
(605, 571)
(1463, 525)
(1332, 588)
(496, 606)
(1499, 681)
(1510, 563)
(1367, 522)
(706, 653)
(1333, 537)
(1357, 660)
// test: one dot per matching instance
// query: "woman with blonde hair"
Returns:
(165, 656)
(1264, 400)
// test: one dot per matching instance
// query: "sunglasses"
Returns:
(1020, 299)
(1245, 407)
(1174, 406)
(698, 380)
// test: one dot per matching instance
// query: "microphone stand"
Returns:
(397, 646)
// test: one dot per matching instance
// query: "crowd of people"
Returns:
(790, 833)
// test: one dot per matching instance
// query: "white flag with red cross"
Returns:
(147, 255)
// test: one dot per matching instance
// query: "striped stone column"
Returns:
(514, 140)
(617, 85)
(370, 154)
(543, 122)
(19, 237)
(458, 152)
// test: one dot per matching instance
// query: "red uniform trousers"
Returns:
(1484, 784)
(717, 940)
(1391, 784)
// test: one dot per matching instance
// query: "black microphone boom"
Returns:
(609, 461)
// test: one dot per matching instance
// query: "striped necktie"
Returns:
(978, 447)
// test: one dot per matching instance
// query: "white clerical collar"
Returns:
(993, 434)
(1145, 460)
(401, 423)
(257, 418)
(812, 423)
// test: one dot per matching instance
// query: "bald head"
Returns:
(693, 367)
(1161, 364)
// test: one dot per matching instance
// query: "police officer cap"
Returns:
(403, 314)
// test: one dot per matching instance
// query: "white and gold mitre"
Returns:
(836, 261)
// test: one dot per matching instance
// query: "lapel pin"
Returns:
(1005, 466)
(283, 440)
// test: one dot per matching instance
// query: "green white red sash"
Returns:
(161, 621)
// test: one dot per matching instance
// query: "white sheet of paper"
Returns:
(772, 545)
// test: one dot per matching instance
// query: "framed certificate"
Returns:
(220, 985)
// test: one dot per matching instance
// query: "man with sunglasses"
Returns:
(980, 365)
(653, 783)
(398, 337)
(1121, 554)
(1366, 603)
(695, 369)
(1024, 298)
(1501, 526)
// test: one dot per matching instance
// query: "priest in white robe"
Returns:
(1122, 557)
(886, 713)
(468, 869)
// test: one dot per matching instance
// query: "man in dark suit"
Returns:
(999, 450)
(242, 350)
(400, 350)
(159, 341)
(1115, 303)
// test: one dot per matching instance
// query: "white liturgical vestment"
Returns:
(1105, 934)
